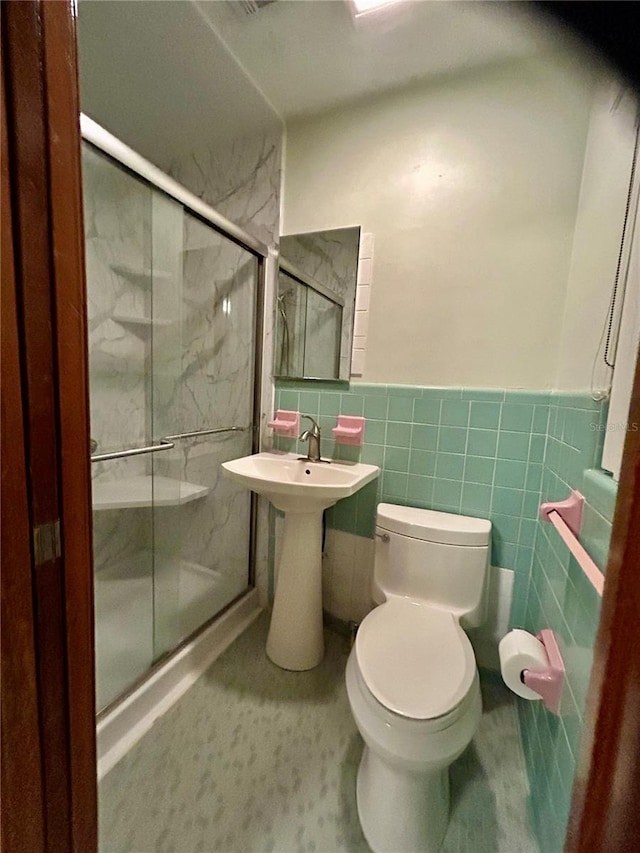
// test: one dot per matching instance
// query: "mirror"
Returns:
(316, 304)
(309, 326)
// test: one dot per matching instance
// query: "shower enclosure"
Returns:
(174, 295)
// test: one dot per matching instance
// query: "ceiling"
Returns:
(308, 56)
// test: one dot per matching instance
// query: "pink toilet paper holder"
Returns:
(549, 682)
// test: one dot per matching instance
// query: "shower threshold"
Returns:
(120, 726)
(124, 605)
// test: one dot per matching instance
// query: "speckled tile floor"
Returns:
(254, 758)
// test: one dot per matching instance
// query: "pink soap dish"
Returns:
(350, 430)
(285, 423)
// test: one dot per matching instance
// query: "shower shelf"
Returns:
(142, 322)
(144, 490)
(142, 278)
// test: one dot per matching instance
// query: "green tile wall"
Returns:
(559, 596)
(472, 451)
(495, 454)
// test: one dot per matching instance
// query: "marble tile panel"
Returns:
(117, 237)
(214, 384)
(241, 181)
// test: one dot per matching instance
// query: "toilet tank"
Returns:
(434, 557)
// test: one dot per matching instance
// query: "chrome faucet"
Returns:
(313, 436)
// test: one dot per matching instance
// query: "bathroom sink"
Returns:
(297, 485)
(303, 490)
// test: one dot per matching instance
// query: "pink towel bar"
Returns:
(566, 517)
(584, 560)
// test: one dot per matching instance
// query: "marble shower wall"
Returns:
(240, 180)
(206, 382)
(207, 359)
(209, 536)
(117, 213)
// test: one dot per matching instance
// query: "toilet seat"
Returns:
(415, 659)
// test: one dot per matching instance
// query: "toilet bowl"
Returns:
(412, 678)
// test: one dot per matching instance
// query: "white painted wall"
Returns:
(599, 221)
(470, 186)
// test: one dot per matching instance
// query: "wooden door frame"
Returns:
(22, 794)
(48, 711)
(47, 589)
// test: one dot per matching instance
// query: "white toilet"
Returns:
(412, 679)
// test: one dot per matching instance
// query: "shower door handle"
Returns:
(198, 432)
(163, 444)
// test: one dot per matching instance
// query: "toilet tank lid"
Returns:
(432, 526)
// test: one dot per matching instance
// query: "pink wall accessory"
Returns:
(350, 430)
(285, 423)
(569, 510)
(549, 682)
(566, 517)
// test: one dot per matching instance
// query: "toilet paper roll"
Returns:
(520, 650)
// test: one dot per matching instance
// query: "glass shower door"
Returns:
(172, 319)
(119, 296)
(207, 411)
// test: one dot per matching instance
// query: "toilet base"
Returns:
(401, 811)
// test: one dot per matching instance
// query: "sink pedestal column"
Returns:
(295, 638)
(302, 490)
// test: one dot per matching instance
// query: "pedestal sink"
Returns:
(302, 490)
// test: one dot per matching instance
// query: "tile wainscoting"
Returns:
(560, 597)
(494, 454)
(472, 451)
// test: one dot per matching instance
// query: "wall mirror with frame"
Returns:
(315, 304)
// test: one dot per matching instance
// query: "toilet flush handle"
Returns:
(384, 536)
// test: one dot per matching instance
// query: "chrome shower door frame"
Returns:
(132, 162)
